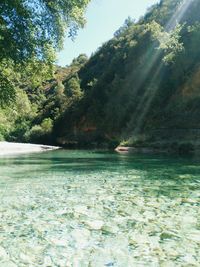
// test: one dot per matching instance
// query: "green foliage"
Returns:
(133, 83)
(40, 132)
(47, 125)
(72, 88)
(30, 28)
(59, 89)
(136, 87)
(80, 60)
(7, 92)
(15, 119)
(169, 42)
(30, 34)
(36, 133)
(127, 23)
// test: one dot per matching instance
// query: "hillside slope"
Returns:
(141, 89)
(143, 85)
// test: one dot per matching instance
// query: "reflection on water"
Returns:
(86, 208)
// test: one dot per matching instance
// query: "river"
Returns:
(95, 209)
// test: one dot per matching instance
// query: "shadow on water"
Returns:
(154, 174)
(156, 166)
(96, 160)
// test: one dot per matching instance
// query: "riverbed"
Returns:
(92, 208)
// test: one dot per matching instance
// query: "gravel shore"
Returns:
(7, 148)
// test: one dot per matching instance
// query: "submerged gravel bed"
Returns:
(64, 214)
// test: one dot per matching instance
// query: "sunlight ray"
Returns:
(144, 104)
(178, 15)
(148, 97)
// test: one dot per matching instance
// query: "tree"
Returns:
(72, 88)
(80, 60)
(29, 28)
(31, 32)
(127, 23)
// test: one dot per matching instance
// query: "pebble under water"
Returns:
(95, 209)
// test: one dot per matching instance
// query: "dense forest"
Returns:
(139, 89)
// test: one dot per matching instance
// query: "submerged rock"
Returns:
(8, 264)
(95, 224)
(3, 254)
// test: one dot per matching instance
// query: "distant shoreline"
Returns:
(7, 148)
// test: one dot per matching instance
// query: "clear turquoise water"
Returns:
(86, 208)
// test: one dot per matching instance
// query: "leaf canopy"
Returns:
(29, 28)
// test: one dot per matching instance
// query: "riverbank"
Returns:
(7, 148)
(161, 148)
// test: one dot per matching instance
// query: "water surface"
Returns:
(87, 208)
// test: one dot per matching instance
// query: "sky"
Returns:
(103, 17)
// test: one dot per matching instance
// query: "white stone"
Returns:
(95, 225)
(3, 254)
(8, 264)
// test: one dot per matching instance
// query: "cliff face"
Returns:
(143, 85)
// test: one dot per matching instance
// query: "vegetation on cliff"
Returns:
(30, 35)
(141, 87)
